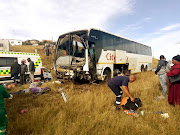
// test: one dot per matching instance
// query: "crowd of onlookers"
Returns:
(170, 75)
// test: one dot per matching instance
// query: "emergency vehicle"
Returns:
(7, 59)
(97, 55)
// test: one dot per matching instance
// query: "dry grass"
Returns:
(90, 111)
(154, 62)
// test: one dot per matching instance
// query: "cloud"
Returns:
(147, 19)
(130, 28)
(171, 27)
(44, 19)
(164, 44)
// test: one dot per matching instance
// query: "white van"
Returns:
(7, 59)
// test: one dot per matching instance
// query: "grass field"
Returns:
(89, 110)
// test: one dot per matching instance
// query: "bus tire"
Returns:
(28, 80)
(46, 80)
(146, 68)
(107, 74)
(142, 68)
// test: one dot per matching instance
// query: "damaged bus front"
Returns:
(74, 56)
(97, 55)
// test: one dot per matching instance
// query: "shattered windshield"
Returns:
(71, 45)
(78, 49)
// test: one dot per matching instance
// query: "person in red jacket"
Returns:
(174, 88)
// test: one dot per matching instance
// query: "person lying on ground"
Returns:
(35, 91)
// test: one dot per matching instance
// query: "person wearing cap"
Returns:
(3, 116)
(15, 69)
(121, 81)
(174, 88)
(23, 71)
(31, 69)
(161, 72)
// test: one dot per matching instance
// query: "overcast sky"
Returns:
(155, 23)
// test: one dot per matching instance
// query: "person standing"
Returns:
(174, 88)
(161, 72)
(46, 48)
(3, 116)
(23, 71)
(115, 83)
(31, 69)
(15, 69)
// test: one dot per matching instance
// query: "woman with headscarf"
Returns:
(174, 88)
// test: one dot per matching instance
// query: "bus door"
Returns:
(121, 57)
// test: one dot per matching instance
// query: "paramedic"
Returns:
(23, 71)
(3, 117)
(123, 81)
(15, 69)
(31, 69)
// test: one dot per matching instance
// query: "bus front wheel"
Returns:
(107, 75)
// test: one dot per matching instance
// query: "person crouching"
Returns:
(115, 84)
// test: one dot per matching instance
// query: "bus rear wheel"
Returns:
(142, 68)
(146, 68)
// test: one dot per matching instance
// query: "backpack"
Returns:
(127, 104)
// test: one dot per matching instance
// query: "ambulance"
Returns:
(7, 59)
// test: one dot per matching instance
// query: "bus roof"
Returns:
(118, 36)
(88, 30)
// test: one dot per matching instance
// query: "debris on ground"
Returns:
(63, 94)
(35, 84)
(142, 112)
(58, 82)
(131, 112)
(160, 98)
(161, 112)
(9, 85)
(24, 111)
(165, 115)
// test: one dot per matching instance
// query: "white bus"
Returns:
(98, 55)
